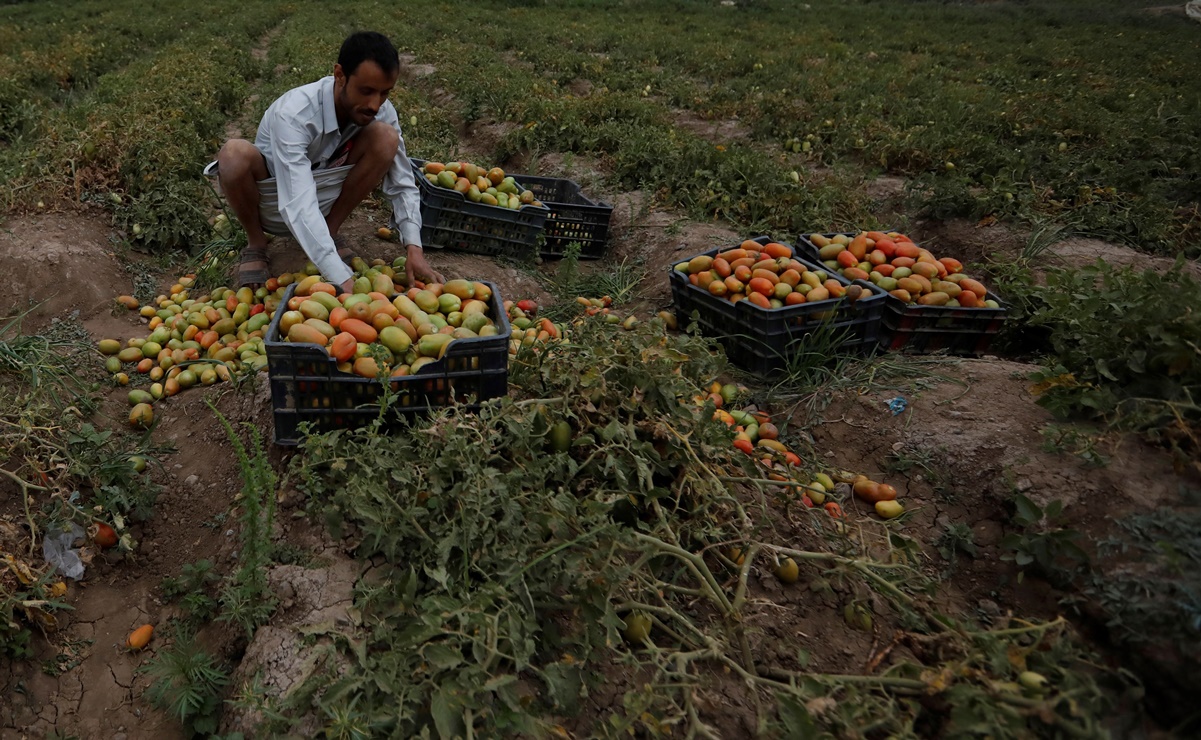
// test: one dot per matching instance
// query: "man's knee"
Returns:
(239, 157)
(381, 140)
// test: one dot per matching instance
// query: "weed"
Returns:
(956, 539)
(907, 458)
(193, 584)
(245, 598)
(145, 281)
(70, 654)
(1041, 543)
(1067, 439)
(186, 682)
(1044, 235)
(213, 263)
(1149, 590)
(1122, 353)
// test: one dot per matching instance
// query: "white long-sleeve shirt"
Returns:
(298, 134)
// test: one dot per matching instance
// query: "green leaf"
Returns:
(796, 718)
(447, 718)
(563, 683)
(442, 657)
(1028, 512)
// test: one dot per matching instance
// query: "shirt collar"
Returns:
(328, 111)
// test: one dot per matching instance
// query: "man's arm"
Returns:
(400, 188)
(298, 199)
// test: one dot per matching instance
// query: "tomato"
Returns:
(105, 535)
(140, 637)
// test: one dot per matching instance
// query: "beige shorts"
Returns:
(329, 187)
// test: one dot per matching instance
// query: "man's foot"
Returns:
(254, 268)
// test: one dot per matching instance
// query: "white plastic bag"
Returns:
(56, 547)
(1193, 9)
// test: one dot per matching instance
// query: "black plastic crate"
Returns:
(574, 217)
(954, 330)
(762, 340)
(306, 385)
(921, 329)
(450, 221)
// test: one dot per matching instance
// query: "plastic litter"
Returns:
(897, 405)
(57, 549)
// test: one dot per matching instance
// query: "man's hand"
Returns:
(417, 268)
(348, 286)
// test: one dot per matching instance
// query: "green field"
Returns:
(512, 568)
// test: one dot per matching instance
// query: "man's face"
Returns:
(359, 96)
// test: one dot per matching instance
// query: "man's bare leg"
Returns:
(240, 166)
(372, 154)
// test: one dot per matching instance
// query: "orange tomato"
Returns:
(854, 273)
(140, 637)
(953, 265)
(759, 286)
(975, 287)
(790, 278)
(759, 299)
(342, 347)
(361, 331)
(751, 245)
(773, 249)
(721, 267)
(767, 275)
(794, 298)
(337, 315)
(858, 246)
(360, 311)
(846, 259)
(742, 272)
(718, 288)
(907, 249)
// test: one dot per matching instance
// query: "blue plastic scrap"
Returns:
(897, 405)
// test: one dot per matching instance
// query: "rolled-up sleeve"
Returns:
(400, 187)
(298, 203)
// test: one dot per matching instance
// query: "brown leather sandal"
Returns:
(253, 268)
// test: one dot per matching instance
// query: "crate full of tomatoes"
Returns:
(765, 303)
(932, 305)
(332, 358)
(474, 209)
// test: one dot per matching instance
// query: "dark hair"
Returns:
(368, 46)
